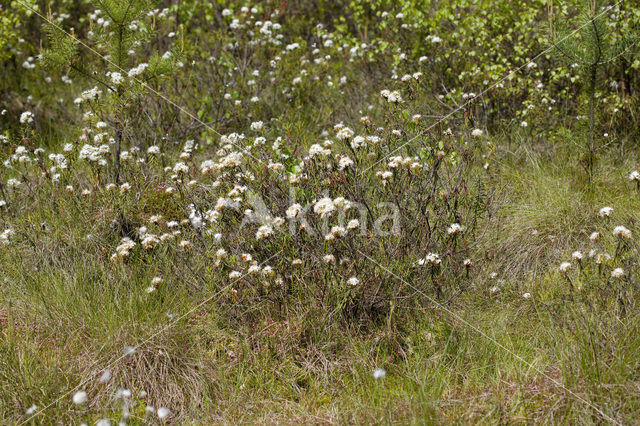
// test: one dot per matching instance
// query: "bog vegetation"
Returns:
(364, 211)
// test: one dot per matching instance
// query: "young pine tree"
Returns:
(590, 45)
(113, 55)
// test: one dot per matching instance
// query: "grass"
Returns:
(66, 314)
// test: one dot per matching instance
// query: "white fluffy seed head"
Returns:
(105, 376)
(163, 412)
(379, 373)
(80, 397)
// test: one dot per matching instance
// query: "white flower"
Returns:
(195, 219)
(257, 126)
(564, 266)
(91, 94)
(133, 72)
(116, 78)
(476, 133)
(594, 237)
(180, 167)
(264, 231)
(317, 149)
(358, 141)
(6, 235)
(91, 153)
(125, 187)
(577, 255)
(621, 232)
(26, 117)
(385, 176)
(123, 250)
(344, 133)
(454, 229)
(149, 241)
(342, 203)
(617, 273)
(338, 231)
(235, 275)
(324, 207)
(80, 397)
(394, 97)
(379, 373)
(635, 175)
(344, 162)
(13, 182)
(329, 258)
(605, 211)
(433, 258)
(527, 295)
(353, 224)
(353, 281)
(293, 211)
(156, 281)
(155, 218)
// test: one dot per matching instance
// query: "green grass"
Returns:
(67, 313)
